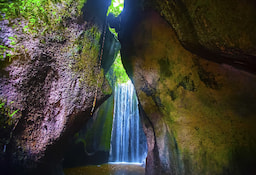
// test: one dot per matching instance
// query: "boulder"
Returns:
(51, 80)
(199, 115)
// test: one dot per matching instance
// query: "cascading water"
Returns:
(128, 141)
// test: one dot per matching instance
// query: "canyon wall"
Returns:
(195, 80)
(48, 84)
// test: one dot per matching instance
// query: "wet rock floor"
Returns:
(106, 169)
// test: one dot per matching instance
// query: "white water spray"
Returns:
(128, 141)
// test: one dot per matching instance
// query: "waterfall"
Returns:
(128, 141)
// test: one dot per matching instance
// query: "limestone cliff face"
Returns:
(199, 115)
(52, 81)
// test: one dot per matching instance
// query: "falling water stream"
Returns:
(128, 141)
(128, 148)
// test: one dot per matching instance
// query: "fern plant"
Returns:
(7, 115)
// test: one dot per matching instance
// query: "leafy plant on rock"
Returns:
(117, 71)
(115, 8)
(36, 18)
(8, 122)
(7, 115)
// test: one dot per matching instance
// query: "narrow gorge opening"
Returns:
(128, 142)
(64, 108)
(113, 140)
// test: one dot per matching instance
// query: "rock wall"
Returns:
(216, 30)
(199, 115)
(51, 80)
(91, 145)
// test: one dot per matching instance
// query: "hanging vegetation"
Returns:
(36, 18)
(115, 8)
(117, 72)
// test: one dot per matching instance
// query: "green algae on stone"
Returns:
(206, 107)
(41, 19)
(98, 135)
(86, 56)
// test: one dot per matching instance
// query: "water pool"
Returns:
(106, 169)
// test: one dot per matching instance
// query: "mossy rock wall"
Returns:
(51, 77)
(91, 145)
(222, 30)
(99, 135)
(199, 115)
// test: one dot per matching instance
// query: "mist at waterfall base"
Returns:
(128, 141)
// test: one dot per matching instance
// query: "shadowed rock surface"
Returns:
(53, 85)
(193, 67)
(199, 115)
(91, 145)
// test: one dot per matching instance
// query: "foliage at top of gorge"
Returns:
(34, 18)
(39, 11)
(115, 8)
(117, 72)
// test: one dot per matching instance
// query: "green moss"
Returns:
(88, 46)
(107, 91)
(165, 67)
(7, 114)
(107, 128)
(98, 135)
(206, 106)
(37, 18)
(41, 11)
(187, 83)
(8, 117)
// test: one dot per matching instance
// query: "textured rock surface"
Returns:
(199, 115)
(111, 49)
(91, 145)
(222, 31)
(52, 83)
